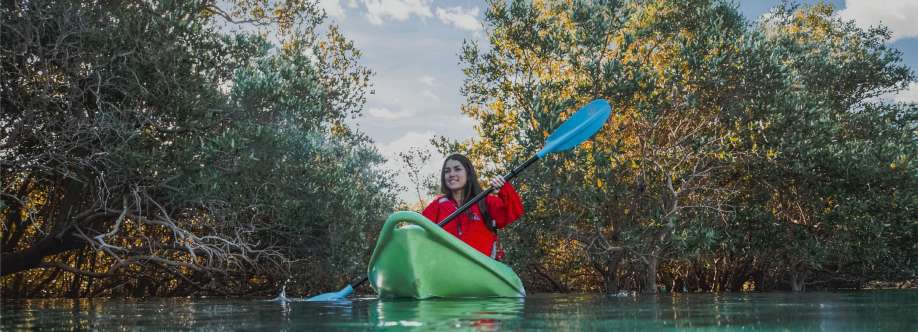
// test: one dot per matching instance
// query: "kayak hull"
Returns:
(415, 258)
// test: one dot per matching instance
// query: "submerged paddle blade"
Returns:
(334, 296)
(581, 126)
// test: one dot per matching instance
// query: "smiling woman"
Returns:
(478, 226)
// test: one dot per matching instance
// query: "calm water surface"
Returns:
(846, 311)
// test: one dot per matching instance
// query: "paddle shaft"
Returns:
(360, 282)
(482, 194)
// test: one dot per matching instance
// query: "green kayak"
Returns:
(415, 258)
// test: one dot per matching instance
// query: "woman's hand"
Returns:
(498, 182)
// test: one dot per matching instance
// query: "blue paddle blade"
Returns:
(581, 126)
(334, 296)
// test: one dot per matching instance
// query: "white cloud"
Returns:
(430, 95)
(352, 4)
(460, 18)
(332, 8)
(405, 142)
(900, 16)
(427, 80)
(385, 113)
(909, 95)
(400, 10)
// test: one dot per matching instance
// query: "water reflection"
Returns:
(869, 310)
(469, 314)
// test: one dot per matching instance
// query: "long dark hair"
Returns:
(471, 189)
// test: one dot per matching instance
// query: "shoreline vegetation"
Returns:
(196, 148)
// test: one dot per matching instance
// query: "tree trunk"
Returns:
(610, 277)
(77, 281)
(797, 281)
(92, 268)
(650, 278)
(14, 220)
(30, 258)
(758, 277)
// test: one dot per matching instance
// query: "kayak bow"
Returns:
(415, 258)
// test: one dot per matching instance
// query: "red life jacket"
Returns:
(470, 227)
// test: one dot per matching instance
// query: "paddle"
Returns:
(578, 128)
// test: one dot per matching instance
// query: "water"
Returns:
(865, 310)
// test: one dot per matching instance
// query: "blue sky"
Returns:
(413, 46)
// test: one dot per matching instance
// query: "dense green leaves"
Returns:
(151, 150)
(739, 155)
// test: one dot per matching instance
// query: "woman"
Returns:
(459, 183)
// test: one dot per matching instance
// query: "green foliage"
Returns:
(736, 152)
(169, 156)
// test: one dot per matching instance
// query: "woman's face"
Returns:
(454, 174)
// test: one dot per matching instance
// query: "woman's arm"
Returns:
(507, 206)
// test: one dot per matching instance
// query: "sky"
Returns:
(413, 48)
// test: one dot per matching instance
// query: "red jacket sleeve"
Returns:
(432, 210)
(506, 207)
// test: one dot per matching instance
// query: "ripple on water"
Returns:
(864, 310)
